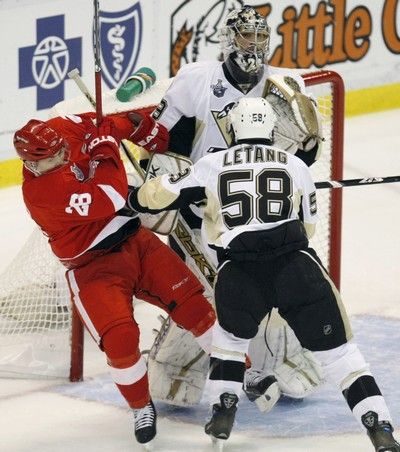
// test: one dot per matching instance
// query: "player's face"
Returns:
(58, 159)
(252, 41)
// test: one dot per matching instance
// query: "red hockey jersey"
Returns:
(76, 205)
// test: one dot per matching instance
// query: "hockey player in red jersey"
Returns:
(75, 188)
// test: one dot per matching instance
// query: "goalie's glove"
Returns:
(149, 134)
(298, 128)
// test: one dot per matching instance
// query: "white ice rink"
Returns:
(36, 418)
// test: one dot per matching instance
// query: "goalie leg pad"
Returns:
(276, 350)
(177, 366)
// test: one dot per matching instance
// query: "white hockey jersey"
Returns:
(203, 92)
(248, 187)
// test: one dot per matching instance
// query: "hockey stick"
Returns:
(192, 249)
(74, 75)
(97, 62)
(355, 182)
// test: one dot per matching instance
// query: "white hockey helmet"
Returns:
(246, 34)
(252, 118)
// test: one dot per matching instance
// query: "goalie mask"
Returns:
(245, 37)
(252, 118)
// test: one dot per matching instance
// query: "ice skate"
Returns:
(380, 433)
(261, 389)
(223, 415)
(145, 425)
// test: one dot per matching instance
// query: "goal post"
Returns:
(328, 87)
(41, 335)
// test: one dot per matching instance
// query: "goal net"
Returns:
(40, 334)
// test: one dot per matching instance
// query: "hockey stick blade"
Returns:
(357, 182)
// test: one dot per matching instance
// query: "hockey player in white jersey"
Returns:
(260, 208)
(195, 109)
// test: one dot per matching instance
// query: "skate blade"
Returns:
(217, 444)
(268, 400)
(148, 446)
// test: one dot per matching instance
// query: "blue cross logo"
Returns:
(46, 63)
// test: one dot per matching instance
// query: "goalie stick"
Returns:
(357, 182)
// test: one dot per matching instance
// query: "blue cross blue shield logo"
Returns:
(121, 37)
(46, 63)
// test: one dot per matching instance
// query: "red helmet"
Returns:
(37, 141)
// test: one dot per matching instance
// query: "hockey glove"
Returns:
(299, 126)
(105, 142)
(149, 134)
